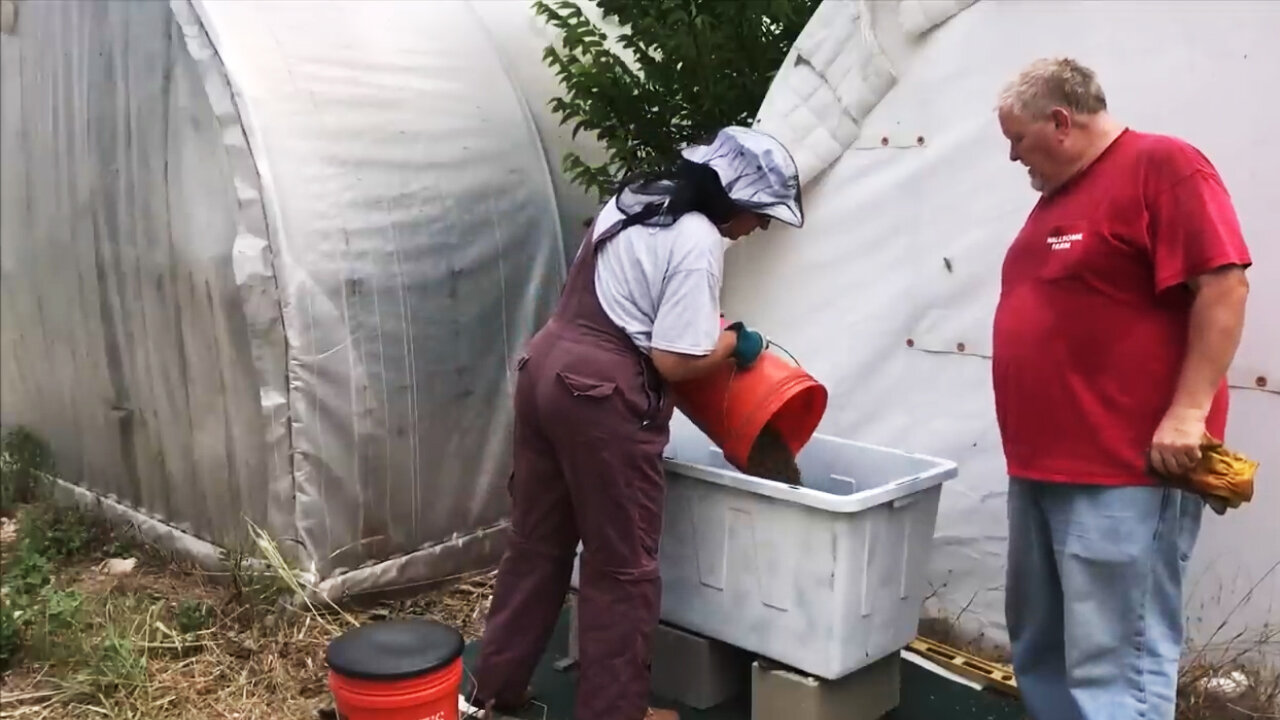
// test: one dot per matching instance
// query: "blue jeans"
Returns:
(1094, 597)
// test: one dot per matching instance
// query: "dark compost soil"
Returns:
(771, 459)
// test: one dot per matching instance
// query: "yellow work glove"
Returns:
(1223, 477)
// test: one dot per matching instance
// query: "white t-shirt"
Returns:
(662, 285)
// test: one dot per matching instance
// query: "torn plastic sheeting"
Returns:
(250, 258)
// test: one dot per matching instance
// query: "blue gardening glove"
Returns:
(750, 344)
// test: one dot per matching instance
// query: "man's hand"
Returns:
(1175, 448)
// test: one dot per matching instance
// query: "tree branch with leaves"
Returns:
(677, 71)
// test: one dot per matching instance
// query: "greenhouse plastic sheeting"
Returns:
(270, 261)
(888, 291)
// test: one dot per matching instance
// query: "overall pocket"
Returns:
(581, 386)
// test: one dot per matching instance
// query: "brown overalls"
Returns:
(592, 418)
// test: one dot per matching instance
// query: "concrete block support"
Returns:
(782, 693)
(687, 668)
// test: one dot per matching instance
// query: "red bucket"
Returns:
(396, 670)
(731, 405)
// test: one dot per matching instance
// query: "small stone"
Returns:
(118, 566)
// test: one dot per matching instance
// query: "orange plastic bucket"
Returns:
(731, 405)
(396, 670)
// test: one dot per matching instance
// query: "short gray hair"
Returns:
(1054, 82)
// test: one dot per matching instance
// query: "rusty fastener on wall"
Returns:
(1260, 381)
(911, 343)
(959, 347)
(884, 141)
(919, 139)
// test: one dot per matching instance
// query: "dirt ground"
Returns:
(97, 626)
(158, 640)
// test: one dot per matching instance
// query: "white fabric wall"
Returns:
(906, 172)
(271, 260)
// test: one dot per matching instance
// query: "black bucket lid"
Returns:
(394, 649)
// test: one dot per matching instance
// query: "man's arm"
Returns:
(1196, 243)
(1215, 326)
(1217, 321)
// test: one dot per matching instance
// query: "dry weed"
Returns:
(168, 642)
(1220, 679)
(1231, 680)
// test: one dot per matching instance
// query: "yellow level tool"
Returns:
(988, 674)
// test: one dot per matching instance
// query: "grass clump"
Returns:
(51, 620)
(25, 462)
(96, 624)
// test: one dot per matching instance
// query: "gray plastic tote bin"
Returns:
(826, 578)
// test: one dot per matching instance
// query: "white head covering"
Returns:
(756, 170)
(739, 169)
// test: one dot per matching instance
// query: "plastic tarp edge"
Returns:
(206, 555)
(253, 261)
(447, 559)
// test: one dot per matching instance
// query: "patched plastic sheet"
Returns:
(271, 261)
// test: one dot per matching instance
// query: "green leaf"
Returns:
(695, 65)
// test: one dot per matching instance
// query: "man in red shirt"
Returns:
(1121, 308)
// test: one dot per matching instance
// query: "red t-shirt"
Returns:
(1092, 322)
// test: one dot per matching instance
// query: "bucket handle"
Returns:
(770, 343)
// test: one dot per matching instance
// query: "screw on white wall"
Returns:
(885, 142)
